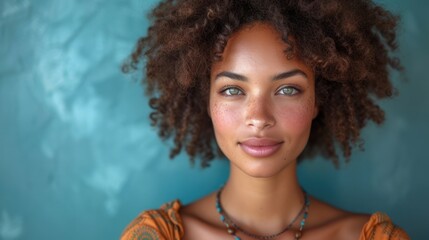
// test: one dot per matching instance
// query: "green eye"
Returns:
(290, 91)
(232, 91)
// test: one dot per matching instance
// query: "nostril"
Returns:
(260, 123)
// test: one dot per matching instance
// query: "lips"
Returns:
(260, 147)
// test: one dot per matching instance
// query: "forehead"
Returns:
(257, 46)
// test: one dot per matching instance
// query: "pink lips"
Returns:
(260, 147)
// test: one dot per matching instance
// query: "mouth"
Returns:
(260, 147)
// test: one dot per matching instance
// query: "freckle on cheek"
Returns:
(221, 115)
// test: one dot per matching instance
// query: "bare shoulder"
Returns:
(199, 219)
(196, 210)
(335, 223)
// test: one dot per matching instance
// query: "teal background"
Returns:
(78, 159)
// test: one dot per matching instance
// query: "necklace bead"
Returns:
(298, 235)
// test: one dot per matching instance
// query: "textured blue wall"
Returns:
(78, 159)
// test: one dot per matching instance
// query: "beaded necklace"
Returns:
(233, 228)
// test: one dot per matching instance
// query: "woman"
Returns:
(273, 82)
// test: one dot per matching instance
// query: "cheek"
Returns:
(224, 116)
(298, 117)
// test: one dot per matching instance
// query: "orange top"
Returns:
(165, 224)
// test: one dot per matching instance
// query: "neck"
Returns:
(265, 205)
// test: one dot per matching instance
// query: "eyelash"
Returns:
(226, 89)
(294, 89)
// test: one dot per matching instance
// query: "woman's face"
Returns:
(261, 103)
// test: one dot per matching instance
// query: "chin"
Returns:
(263, 169)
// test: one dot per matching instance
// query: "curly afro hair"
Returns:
(348, 44)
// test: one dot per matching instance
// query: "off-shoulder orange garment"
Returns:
(166, 224)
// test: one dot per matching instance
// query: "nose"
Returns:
(259, 113)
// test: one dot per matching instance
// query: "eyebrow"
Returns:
(280, 76)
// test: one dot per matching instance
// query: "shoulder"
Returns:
(330, 222)
(201, 219)
(381, 227)
(162, 223)
(334, 223)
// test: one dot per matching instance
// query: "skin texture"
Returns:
(261, 107)
(247, 101)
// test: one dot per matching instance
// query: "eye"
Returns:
(288, 90)
(231, 91)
